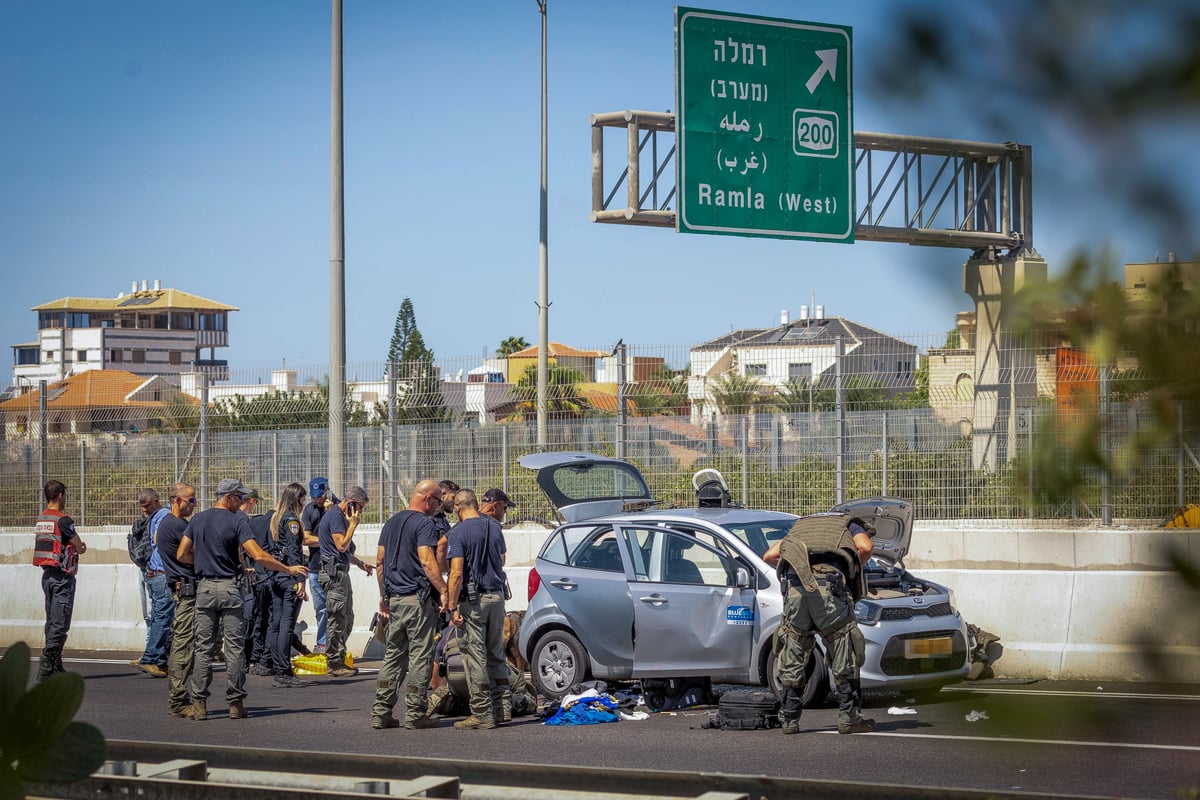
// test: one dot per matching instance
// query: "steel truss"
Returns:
(910, 189)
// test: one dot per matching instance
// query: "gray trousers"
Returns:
(183, 653)
(412, 629)
(219, 611)
(339, 610)
(481, 645)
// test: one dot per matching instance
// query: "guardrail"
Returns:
(258, 776)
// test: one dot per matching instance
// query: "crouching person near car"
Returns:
(411, 595)
(820, 565)
(476, 551)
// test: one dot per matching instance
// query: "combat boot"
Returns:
(46, 664)
(237, 710)
(501, 704)
(384, 723)
(790, 708)
(199, 710)
(473, 723)
(860, 725)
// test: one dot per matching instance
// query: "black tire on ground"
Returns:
(559, 662)
(816, 680)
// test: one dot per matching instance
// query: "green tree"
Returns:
(510, 345)
(419, 390)
(307, 408)
(795, 396)
(564, 400)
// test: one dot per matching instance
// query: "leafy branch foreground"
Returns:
(39, 742)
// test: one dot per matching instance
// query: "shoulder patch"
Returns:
(293, 527)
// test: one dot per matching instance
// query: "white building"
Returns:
(149, 331)
(802, 350)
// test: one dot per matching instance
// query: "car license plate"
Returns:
(928, 648)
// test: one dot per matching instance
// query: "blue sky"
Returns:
(189, 142)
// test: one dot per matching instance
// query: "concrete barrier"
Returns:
(1066, 604)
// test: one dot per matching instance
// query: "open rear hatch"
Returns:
(585, 485)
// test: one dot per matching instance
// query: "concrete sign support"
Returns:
(1005, 371)
(765, 129)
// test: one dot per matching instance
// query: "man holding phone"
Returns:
(336, 535)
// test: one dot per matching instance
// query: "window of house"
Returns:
(159, 321)
(212, 322)
(49, 355)
(175, 358)
(78, 319)
(800, 371)
(182, 321)
(81, 355)
(756, 369)
(50, 319)
(27, 355)
(139, 356)
(116, 356)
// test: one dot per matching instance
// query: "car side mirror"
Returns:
(741, 578)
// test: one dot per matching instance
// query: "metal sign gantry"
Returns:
(910, 189)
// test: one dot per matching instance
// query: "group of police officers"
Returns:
(233, 575)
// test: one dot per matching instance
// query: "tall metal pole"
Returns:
(337, 266)
(42, 441)
(622, 399)
(543, 375)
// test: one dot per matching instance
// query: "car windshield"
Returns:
(759, 535)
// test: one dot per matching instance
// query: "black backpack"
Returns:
(747, 710)
(138, 542)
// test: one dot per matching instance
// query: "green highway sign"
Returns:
(764, 127)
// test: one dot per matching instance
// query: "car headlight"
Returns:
(950, 598)
(867, 613)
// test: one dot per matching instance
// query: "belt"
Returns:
(153, 573)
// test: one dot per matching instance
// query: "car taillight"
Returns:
(535, 583)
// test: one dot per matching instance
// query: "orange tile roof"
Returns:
(92, 389)
(152, 299)
(559, 350)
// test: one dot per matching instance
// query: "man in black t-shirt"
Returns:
(214, 543)
(336, 536)
(257, 601)
(411, 594)
(181, 581)
(319, 496)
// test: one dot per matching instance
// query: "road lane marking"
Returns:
(1066, 693)
(1126, 745)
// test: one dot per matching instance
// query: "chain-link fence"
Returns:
(795, 425)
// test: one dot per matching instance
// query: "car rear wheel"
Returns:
(816, 680)
(559, 663)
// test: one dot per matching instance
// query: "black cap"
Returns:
(498, 495)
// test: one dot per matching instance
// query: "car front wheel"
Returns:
(559, 663)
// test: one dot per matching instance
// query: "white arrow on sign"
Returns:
(828, 67)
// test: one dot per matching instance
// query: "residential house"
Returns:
(149, 331)
(802, 350)
(94, 401)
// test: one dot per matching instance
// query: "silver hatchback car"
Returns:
(623, 590)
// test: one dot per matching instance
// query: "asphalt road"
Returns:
(1114, 740)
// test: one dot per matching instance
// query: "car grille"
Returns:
(937, 610)
(893, 661)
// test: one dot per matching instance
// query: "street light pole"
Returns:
(337, 264)
(543, 365)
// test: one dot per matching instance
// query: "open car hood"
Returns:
(585, 485)
(893, 521)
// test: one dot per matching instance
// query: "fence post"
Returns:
(1105, 484)
(1029, 452)
(622, 399)
(840, 425)
(744, 427)
(504, 456)
(42, 443)
(885, 454)
(275, 464)
(204, 482)
(393, 437)
(776, 442)
(83, 504)
(1179, 446)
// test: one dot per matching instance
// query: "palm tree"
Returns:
(563, 398)
(513, 344)
(741, 394)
